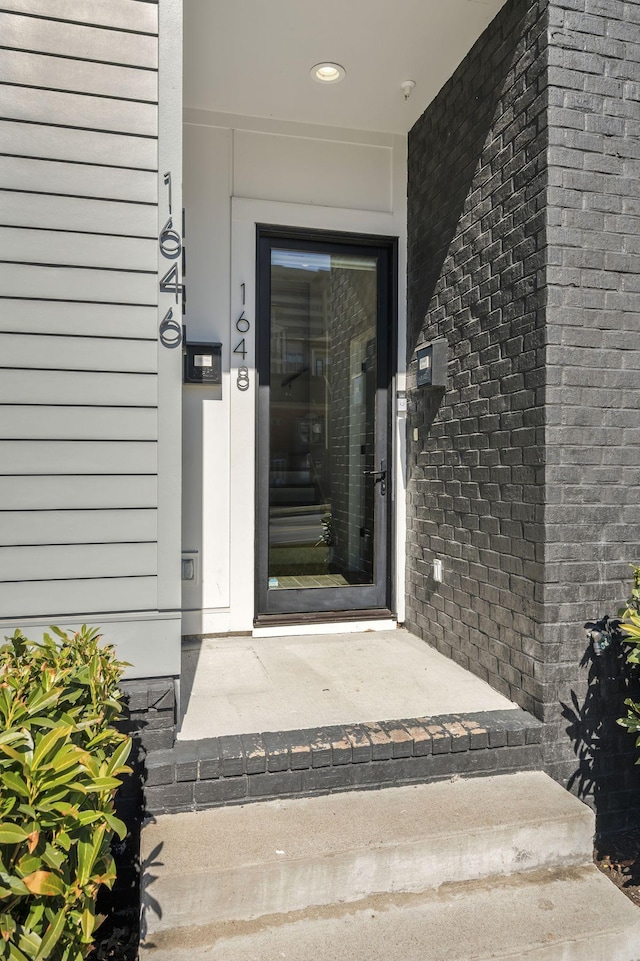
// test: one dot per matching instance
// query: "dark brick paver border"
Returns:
(249, 767)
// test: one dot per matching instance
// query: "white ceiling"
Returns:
(253, 57)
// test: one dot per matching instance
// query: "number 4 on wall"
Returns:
(170, 283)
(241, 349)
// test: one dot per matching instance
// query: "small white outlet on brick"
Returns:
(416, 433)
(437, 570)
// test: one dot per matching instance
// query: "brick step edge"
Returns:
(239, 768)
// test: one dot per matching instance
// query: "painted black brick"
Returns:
(149, 717)
(333, 758)
(477, 179)
(593, 393)
(524, 252)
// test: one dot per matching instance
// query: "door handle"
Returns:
(380, 477)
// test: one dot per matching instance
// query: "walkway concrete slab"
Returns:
(239, 685)
(242, 863)
(570, 915)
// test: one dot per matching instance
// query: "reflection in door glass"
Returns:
(322, 419)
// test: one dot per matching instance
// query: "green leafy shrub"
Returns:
(60, 758)
(630, 633)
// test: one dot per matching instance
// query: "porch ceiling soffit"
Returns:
(253, 57)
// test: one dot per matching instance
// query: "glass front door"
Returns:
(323, 439)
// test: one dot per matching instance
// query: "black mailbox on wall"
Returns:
(203, 364)
(432, 364)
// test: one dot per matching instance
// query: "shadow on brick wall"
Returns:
(607, 776)
(451, 146)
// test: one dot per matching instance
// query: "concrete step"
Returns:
(574, 914)
(238, 864)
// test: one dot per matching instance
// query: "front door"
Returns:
(325, 323)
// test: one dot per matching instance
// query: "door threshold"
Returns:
(334, 622)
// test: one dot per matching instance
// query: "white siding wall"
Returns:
(79, 356)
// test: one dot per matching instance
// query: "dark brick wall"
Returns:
(149, 716)
(524, 251)
(593, 368)
(477, 184)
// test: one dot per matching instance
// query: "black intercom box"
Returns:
(203, 363)
(432, 364)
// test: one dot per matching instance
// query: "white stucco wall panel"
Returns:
(207, 192)
(206, 527)
(206, 425)
(312, 171)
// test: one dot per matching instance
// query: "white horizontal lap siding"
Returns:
(65, 39)
(40, 492)
(92, 285)
(35, 105)
(93, 79)
(20, 209)
(74, 387)
(78, 308)
(44, 562)
(66, 143)
(44, 176)
(77, 526)
(19, 457)
(96, 595)
(44, 353)
(112, 13)
(31, 245)
(37, 422)
(83, 320)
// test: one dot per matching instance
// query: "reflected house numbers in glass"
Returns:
(322, 419)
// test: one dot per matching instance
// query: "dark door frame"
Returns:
(293, 604)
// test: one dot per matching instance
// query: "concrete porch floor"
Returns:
(238, 685)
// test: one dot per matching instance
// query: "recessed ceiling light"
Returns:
(327, 72)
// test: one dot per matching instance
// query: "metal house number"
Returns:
(171, 248)
(243, 326)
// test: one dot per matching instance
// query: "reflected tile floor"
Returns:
(308, 580)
